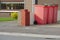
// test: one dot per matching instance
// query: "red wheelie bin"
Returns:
(40, 14)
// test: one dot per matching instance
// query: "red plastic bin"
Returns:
(50, 14)
(40, 14)
(55, 6)
(25, 17)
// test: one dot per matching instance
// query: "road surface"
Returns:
(5, 37)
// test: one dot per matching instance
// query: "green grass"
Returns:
(6, 19)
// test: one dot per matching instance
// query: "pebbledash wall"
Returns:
(49, 1)
(11, 0)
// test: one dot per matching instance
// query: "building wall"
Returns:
(11, 0)
(28, 5)
(39, 1)
(49, 1)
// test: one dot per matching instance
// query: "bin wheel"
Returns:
(35, 22)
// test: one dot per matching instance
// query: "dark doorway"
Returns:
(36, 1)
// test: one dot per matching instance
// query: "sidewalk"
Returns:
(49, 29)
(12, 26)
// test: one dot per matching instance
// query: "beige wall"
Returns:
(11, 0)
(28, 5)
(49, 1)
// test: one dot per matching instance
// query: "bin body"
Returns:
(25, 17)
(55, 13)
(50, 14)
(40, 14)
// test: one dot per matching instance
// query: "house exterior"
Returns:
(11, 0)
(19, 3)
(10, 5)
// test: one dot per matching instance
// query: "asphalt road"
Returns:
(5, 37)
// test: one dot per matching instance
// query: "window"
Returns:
(18, 6)
(0, 5)
(13, 5)
(3, 6)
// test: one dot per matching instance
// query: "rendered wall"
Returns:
(11, 0)
(49, 1)
(28, 5)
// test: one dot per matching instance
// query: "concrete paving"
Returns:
(49, 29)
(12, 26)
(2, 37)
